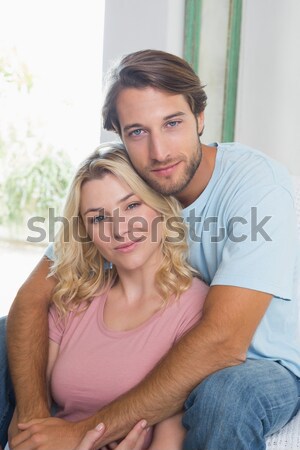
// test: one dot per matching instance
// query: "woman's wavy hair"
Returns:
(156, 69)
(79, 267)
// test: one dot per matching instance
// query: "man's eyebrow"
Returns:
(140, 125)
(123, 199)
(171, 116)
(132, 125)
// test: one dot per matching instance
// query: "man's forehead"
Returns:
(135, 104)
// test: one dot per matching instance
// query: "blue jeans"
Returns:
(7, 401)
(237, 407)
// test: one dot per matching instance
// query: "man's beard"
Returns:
(169, 188)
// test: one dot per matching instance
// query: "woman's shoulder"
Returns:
(198, 285)
(196, 293)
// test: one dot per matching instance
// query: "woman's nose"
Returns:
(119, 225)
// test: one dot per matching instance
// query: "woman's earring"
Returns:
(108, 265)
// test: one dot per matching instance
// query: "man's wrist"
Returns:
(35, 412)
(89, 424)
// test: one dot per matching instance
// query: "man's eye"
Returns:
(136, 132)
(173, 123)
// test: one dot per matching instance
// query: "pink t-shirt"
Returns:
(96, 365)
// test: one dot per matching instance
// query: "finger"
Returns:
(141, 440)
(19, 438)
(91, 438)
(25, 426)
(113, 445)
(135, 439)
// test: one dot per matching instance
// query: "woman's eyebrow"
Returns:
(100, 208)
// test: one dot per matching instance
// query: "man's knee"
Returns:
(243, 394)
(220, 392)
(252, 380)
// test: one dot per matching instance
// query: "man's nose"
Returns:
(158, 149)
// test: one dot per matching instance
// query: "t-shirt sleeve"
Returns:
(56, 325)
(49, 252)
(260, 249)
(191, 305)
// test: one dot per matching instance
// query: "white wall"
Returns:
(268, 115)
(132, 25)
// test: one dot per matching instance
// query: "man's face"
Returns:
(160, 133)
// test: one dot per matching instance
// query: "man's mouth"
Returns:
(166, 170)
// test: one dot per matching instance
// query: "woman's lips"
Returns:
(127, 247)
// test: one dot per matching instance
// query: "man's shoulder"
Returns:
(252, 165)
(238, 151)
(241, 172)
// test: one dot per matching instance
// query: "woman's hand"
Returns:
(133, 441)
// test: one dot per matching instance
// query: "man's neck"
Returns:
(201, 178)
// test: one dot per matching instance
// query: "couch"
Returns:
(288, 438)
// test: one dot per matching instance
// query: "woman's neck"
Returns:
(131, 301)
(136, 287)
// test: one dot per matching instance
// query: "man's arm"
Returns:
(221, 339)
(27, 342)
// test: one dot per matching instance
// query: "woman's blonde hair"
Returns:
(79, 267)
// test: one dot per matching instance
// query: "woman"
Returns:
(125, 292)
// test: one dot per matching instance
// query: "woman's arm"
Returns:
(53, 353)
(168, 434)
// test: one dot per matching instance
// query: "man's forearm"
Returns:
(27, 341)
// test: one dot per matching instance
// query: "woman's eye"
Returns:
(133, 205)
(98, 219)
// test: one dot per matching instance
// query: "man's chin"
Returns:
(165, 188)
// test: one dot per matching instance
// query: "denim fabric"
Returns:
(7, 402)
(237, 407)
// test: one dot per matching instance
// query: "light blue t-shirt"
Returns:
(242, 232)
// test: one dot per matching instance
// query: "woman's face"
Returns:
(126, 231)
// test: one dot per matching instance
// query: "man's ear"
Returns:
(200, 122)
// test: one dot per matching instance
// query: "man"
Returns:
(239, 368)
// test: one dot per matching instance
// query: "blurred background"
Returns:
(53, 57)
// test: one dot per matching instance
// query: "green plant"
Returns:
(33, 185)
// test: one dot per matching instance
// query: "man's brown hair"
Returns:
(156, 69)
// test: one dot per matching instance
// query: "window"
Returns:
(50, 100)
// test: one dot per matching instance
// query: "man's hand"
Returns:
(13, 429)
(48, 434)
(134, 440)
(54, 434)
